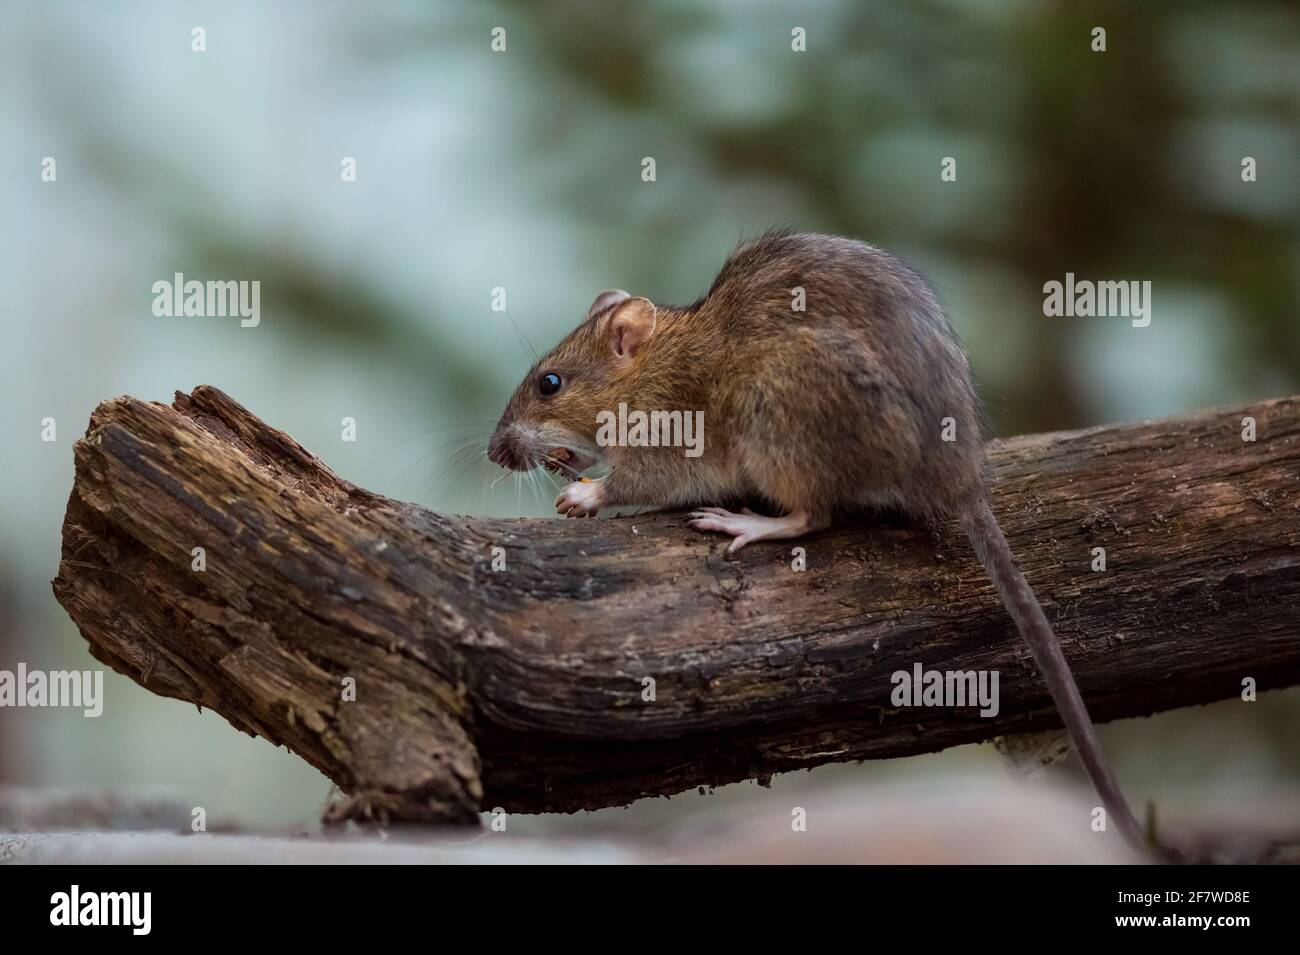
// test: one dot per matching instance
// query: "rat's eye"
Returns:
(549, 384)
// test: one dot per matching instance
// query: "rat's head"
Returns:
(551, 418)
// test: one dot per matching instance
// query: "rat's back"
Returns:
(845, 363)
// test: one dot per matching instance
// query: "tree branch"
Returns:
(523, 688)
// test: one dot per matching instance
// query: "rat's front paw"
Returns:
(581, 499)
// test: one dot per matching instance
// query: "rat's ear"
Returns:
(611, 296)
(630, 325)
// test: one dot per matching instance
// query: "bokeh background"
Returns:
(521, 170)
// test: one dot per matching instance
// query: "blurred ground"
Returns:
(950, 820)
(963, 820)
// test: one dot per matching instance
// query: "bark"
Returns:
(526, 688)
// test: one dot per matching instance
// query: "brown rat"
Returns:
(863, 398)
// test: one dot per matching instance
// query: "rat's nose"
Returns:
(500, 451)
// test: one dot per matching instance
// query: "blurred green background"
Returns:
(521, 170)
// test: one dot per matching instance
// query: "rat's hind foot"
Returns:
(747, 527)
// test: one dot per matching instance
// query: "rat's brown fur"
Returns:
(837, 406)
(864, 398)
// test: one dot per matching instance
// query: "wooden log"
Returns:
(528, 688)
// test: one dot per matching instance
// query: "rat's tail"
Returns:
(995, 554)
